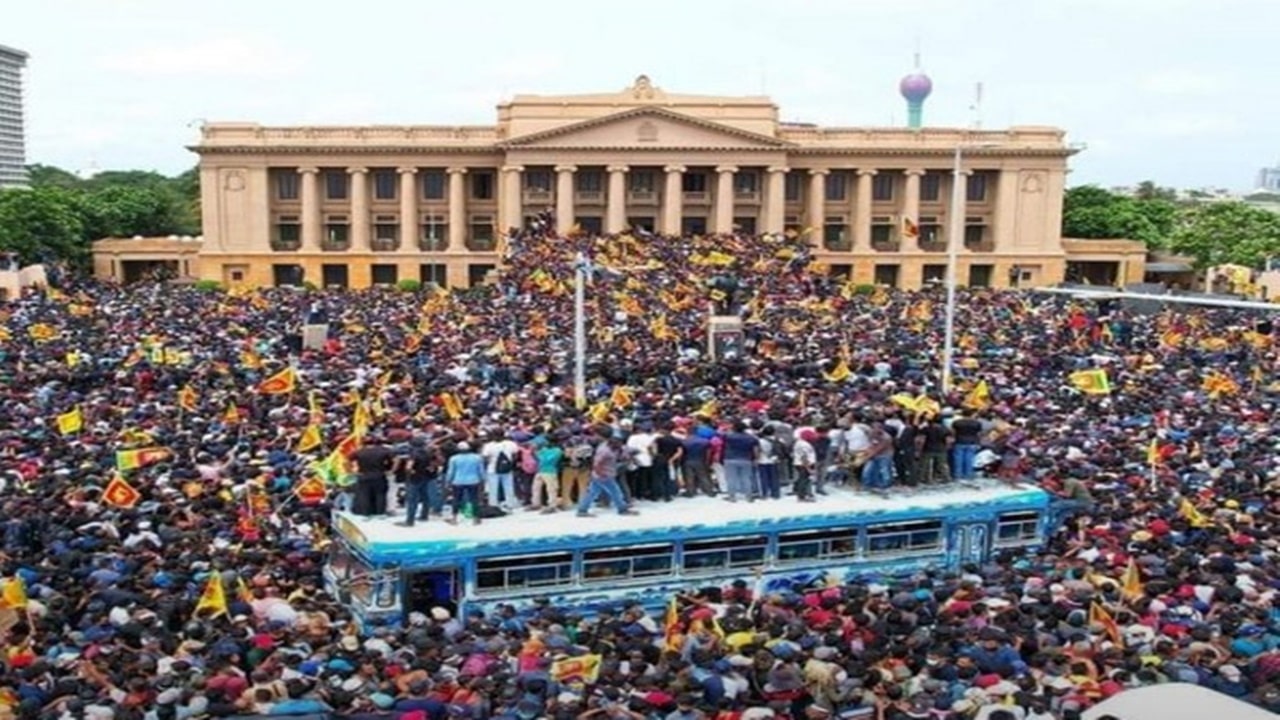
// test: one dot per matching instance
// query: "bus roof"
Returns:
(382, 540)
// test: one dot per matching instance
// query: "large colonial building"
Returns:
(354, 206)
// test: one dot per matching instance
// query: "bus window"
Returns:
(821, 545)
(1017, 528)
(499, 575)
(908, 537)
(620, 564)
(710, 556)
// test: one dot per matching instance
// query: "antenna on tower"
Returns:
(916, 56)
(976, 107)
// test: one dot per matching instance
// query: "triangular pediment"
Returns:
(646, 127)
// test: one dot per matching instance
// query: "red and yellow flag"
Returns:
(141, 457)
(120, 493)
(213, 601)
(1100, 616)
(188, 399)
(281, 383)
(310, 439)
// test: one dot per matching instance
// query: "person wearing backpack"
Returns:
(500, 455)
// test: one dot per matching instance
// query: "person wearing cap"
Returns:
(463, 474)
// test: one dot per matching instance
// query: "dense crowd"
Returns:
(144, 450)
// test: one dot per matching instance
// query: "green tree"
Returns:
(1148, 190)
(39, 176)
(1227, 232)
(42, 223)
(125, 211)
(1091, 212)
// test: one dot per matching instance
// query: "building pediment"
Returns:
(647, 127)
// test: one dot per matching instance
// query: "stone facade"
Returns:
(356, 206)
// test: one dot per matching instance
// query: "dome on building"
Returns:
(915, 87)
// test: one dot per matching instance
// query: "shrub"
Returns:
(308, 285)
(208, 285)
(865, 289)
(409, 285)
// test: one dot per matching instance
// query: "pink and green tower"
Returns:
(915, 88)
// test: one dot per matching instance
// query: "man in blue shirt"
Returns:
(740, 452)
(464, 474)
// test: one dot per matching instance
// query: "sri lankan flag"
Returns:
(910, 230)
(141, 457)
(187, 399)
(281, 383)
(1099, 615)
(1091, 382)
(120, 493)
(310, 439)
(213, 601)
(231, 415)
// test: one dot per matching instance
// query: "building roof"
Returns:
(1174, 701)
(1167, 267)
(13, 52)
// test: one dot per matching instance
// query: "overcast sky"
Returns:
(1172, 90)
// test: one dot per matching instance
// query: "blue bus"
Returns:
(383, 571)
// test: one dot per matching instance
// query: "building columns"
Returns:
(564, 198)
(723, 223)
(1006, 211)
(911, 207)
(511, 199)
(862, 211)
(457, 208)
(359, 179)
(817, 209)
(963, 181)
(775, 200)
(616, 207)
(409, 220)
(310, 208)
(673, 200)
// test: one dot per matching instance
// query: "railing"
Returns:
(482, 244)
(335, 245)
(746, 195)
(642, 197)
(932, 246)
(983, 246)
(838, 245)
(538, 196)
(695, 196)
(885, 246)
(384, 244)
(433, 244)
(286, 245)
(588, 196)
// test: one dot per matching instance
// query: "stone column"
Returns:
(963, 181)
(911, 207)
(359, 179)
(817, 213)
(409, 221)
(862, 211)
(457, 209)
(512, 198)
(673, 200)
(775, 200)
(1006, 211)
(616, 207)
(564, 198)
(310, 208)
(723, 222)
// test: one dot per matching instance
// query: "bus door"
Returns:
(432, 587)
(973, 542)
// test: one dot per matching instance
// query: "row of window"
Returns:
(338, 275)
(709, 557)
(836, 234)
(434, 184)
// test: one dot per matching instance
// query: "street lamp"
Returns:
(955, 236)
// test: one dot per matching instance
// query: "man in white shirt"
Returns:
(500, 456)
(640, 477)
(804, 460)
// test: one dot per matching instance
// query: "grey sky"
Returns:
(1177, 91)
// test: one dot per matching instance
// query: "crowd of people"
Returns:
(157, 437)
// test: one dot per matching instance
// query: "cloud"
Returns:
(1190, 124)
(1183, 83)
(212, 57)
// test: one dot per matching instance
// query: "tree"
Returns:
(1148, 190)
(1091, 212)
(1228, 232)
(42, 224)
(49, 176)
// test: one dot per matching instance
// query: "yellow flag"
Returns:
(839, 373)
(621, 397)
(14, 594)
(310, 439)
(213, 599)
(71, 422)
(979, 397)
(1131, 581)
(1091, 382)
(73, 359)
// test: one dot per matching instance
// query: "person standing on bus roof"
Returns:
(464, 474)
(604, 478)
(803, 459)
(500, 455)
(373, 462)
(741, 450)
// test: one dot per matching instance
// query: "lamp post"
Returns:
(955, 236)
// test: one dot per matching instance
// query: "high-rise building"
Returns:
(13, 161)
(1269, 179)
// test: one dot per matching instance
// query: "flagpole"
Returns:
(580, 333)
